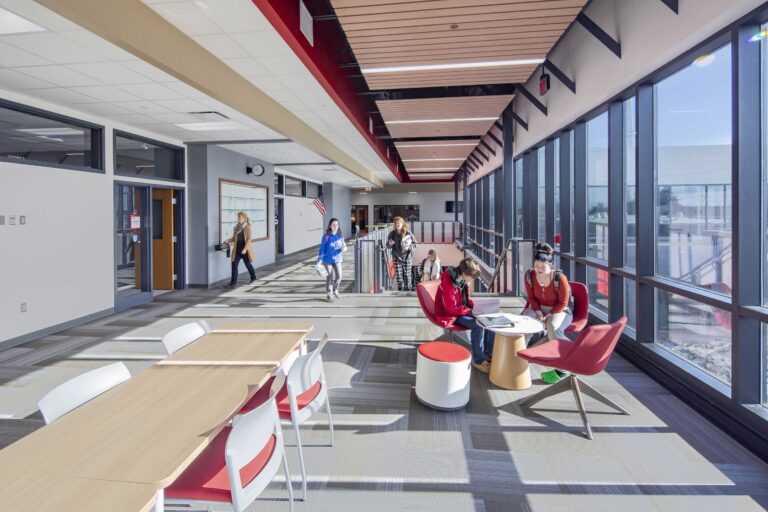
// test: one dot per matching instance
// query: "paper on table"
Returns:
(485, 306)
(496, 320)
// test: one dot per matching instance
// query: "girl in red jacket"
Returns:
(453, 306)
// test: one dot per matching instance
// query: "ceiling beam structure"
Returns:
(672, 4)
(570, 84)
(599, 34)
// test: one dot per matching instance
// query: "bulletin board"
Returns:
(238, 196)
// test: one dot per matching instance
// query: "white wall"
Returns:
(61, 262)
(430, 198)
(303, 224)
(651, 35)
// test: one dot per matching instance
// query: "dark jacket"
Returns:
(397, 248)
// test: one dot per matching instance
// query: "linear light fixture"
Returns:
(454, 120)
(11, 23)
(455, 65)
(40, 132)
(432, 169)
(211, 127)
(435, 160)
(403, 146)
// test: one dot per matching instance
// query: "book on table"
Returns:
(496, 320)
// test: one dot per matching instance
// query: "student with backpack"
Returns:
(549, 299)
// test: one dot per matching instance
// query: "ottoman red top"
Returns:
(444, 352)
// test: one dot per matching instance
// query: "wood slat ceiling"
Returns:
(384, 33)
(426, 149)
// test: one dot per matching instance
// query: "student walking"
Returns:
(430, 267)
(330, 256)
(402, 244)
(241, 240)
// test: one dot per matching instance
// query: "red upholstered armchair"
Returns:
(426, 292)
(588, 355)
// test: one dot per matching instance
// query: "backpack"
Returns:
(555, 281)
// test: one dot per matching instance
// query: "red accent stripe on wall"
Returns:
(323, 60)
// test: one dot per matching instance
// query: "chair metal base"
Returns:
(577, 386)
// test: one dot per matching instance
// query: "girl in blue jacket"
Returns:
(331, 247)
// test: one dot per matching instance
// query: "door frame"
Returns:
(144, 296)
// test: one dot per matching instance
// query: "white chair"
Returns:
(78, 390)
(238, 464)
(442, 375)
(181, 336)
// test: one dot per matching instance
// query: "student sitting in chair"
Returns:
(454, 305)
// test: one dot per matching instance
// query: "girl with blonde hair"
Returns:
(241, 240)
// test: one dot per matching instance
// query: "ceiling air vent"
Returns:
(208, 116)
(306, 23)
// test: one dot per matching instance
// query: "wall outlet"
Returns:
(23, 307)
(12, 220)
(22, 219)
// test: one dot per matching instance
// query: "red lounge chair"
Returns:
(426, 292)
(588, 355)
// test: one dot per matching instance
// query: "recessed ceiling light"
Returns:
(11, 23)
(211, 127)
(436, 160)
(432, 169)
(457, 65)
(455, 120)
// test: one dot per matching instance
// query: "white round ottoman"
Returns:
(442, 375)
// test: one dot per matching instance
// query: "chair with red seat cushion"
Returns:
(588, 355)
(426, 293)
(580, 307)
(238, 464)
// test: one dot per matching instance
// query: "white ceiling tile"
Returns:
(186, 17)
(11, 57)
(112, 73)
(144, 107)
(14, 81)
(184, 105)
(152, 92)
(221, 45)
(38, 14)
(266, 83)
(265, 44)
(59, 75)
(234, 15)
(185, 90)
(148, 70)
(53, 47)
(176, 117)
(61, 96)
(246, 66)
(135, 119)
(106, 93)
(95, 43)
(103, 109)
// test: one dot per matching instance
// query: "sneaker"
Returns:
(230, 286)
(482, 367)
(336, 293)
(253, 280)
(551, 377)
(330, 297)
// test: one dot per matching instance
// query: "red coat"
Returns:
(448, 301)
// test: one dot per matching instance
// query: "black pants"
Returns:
(236, 263)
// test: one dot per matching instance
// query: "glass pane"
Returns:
(129, 240)
(278, 184)
(695, 332)
(597, 284)
(570, 219)
(630, 303)
(557, 191)
(597, 187)
(519, 197)
(30, 137)
(147, 160)
(630, 152)
(765, 363)
(292, 186)
(313, 190)
(693, 172)
(541, 163)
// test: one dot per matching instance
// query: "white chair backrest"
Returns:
(307, 370)
(249, 435)
(78, 390)
(182, 336)
(207, 328)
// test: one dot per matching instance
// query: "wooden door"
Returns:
(162, 239)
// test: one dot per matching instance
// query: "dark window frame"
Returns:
(139, 138)
(98, 137)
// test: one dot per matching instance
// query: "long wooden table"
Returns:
(238, 349)
(131, 442)
(304, 327)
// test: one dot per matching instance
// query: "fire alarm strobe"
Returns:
(543, 84)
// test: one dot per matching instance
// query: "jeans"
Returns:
(333, 280)
(236, 263)
(555, 324)
(482, 342)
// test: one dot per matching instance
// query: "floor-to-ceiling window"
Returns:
(541, 165)
(597, 187)
(693, 173)
(519, 197)
(630, 210)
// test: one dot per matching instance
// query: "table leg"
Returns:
(159, 501)
(507, 370)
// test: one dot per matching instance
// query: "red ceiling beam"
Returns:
(323, 61)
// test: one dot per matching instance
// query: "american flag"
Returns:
(320, 205)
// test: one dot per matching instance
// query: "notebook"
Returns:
(496, 320)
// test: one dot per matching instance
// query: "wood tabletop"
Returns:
(146, 430)
(237, 349)
(43, 493)
(305, 327)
